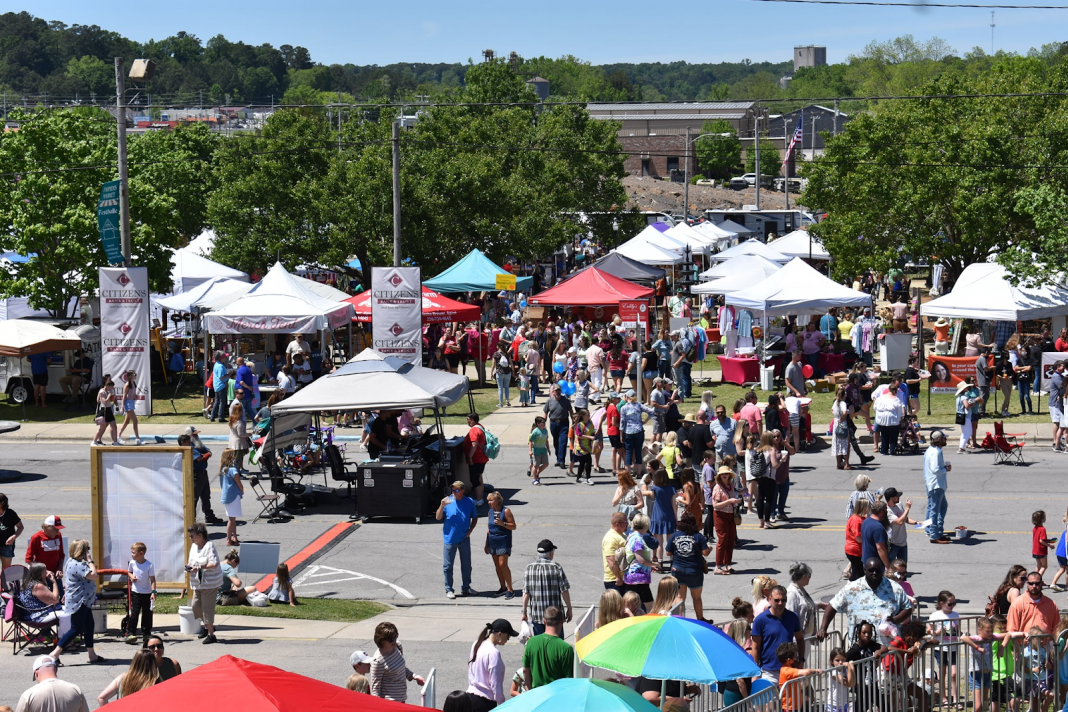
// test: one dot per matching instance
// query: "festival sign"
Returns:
(124, 330)
(397, 312)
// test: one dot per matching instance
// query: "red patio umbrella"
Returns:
(590, 288)
(436, 308)
(237, 685)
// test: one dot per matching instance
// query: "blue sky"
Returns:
(602, 32)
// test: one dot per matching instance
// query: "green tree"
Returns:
(770, 159)
(718, 156)
(93, 73)
(55, 164)
(960, 180)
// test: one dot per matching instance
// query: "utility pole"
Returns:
(991, 32)
(396, 196)
(834, 131)
(686, 180)
(124, 178)
(756, 152)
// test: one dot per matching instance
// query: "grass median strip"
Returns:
(313, 609)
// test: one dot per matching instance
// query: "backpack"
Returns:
(758, 465)
(493, 445)
(504, 364)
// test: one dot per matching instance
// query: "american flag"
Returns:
(794, 140)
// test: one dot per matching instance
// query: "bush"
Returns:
(693, 181)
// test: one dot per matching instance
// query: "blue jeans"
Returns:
(559, 435)
(1024, 387)
(218, 406)
(813, 360)
(663, 367)
(682, 376)
(936, 512)
(449, 555)
(900, 552)
(781, 493)
(632, 442)
(533, 388)
(504, 380)
(81, 621)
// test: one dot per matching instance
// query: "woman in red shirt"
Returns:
(617, 365)
(451, 348)
(852, 538)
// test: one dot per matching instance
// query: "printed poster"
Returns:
(124, 332)
(397, 312)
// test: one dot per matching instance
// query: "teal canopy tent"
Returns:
(474, 273)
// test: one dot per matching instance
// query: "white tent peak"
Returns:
(796, 289)
(742, 264)
(797, 244)
(751, 247)
(983, 291)
(699, 244)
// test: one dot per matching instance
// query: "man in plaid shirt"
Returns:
(546, 585)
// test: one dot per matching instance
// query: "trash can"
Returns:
(767, 378)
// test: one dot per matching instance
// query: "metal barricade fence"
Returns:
(767, 700)
(586, 625)
(429, 693)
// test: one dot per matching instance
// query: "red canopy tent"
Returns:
(436, 308)
(237, 685)
(590, 288)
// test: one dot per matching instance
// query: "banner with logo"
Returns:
(124, 331)
(633, 312)
(1049, 358)
(947, 372)
(107, 220)
(397, 312)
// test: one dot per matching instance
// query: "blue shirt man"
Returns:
(243, 379)
(39, 363)
(723, 428)
(772, 628)
(219, 382)
(874, 542)
(460, 517)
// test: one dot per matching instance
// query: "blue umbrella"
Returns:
(579, 695)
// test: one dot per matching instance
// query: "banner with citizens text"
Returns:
(397, 312)
(124, 333)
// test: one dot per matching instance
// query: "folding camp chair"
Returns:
(1006, 447)
(268, 502)
(24, 633)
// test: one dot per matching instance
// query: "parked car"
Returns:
(796, 184)
(706, 181)
(765, 180)
(739, 184)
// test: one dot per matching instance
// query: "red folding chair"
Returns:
(999, 432)
(1008, 452)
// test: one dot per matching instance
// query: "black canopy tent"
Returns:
(623, 267)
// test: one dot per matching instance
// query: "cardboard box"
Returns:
(821, 386)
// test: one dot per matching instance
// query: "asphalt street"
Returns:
(399, 562)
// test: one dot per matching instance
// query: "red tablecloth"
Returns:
(713, 336)
(832, 363)
(739, 370)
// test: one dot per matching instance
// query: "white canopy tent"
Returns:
(699, 244)
(279, 304)
(800, 243)
(211, 289)
(983, 291)
(19, 307)
(796, 289)
(714, 232)
(731, 226)
(650, 235)
(648, 254)
(740, 278)
(371, 381)
(751, 247)
(189, 269)
(202, 244)
(744, 264)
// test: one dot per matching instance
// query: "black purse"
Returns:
(960, 419)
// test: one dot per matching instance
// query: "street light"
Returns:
(686, 171)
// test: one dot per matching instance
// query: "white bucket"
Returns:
(187, 624)
(100, 620)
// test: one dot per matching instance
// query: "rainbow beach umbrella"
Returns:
(666, 648)
(579, 695)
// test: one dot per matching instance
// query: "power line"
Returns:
(921, 5)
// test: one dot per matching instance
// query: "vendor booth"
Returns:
(751, 247)
(749, 270)
(699, 244)
(189, 270)
(983, 291)
(801, 243)
(797, 289)
(436, 308)
(617, 264)
(474, 273)
(591, 287)
(409, 477)
(648, 254)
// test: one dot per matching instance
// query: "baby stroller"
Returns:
(909, 437)
(111, 596)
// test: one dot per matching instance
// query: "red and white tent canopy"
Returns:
(436, 308)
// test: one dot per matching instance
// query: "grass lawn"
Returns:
(188, 401)
(315, 609)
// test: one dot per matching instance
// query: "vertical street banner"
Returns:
(124, 331)
(107, 221)
(397, 312)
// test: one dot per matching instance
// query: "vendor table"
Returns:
(739, 370)
(832, 363)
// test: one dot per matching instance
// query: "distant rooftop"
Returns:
(689, 106)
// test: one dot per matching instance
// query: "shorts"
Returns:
(108, 414)
(659, 425)
(500, 551)
(1062, 561)
(128, 406)
(947, 657)
(689, 579)
(616, 441)
(7, 551)
(1055, 414)
(475, 470)
(541, 459)
(616, 374)
(1035, 687)
(40, 379)
(1039, 557)
(642, 589)
(979, 681)
(453, 360)
(1003, 690)
(649, 375)
(233, 509)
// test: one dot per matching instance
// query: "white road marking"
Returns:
(316, 571)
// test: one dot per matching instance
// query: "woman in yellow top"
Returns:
(845, 327)
(671, 457)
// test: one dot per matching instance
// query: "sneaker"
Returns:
(500, 405)
(479, 502)
(137, 441)
(131, 640)
(509, 595)
(450, 595)
(1058, 588)
(203, 633)
(467, 592)
(117, 443)
(961, 451)
(96, 442)
(209, 639)
(589, 481)
(536, 482)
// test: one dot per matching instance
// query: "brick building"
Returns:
(654, 135)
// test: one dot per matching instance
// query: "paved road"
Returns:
(400, 562)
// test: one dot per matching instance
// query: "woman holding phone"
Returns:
(499, 541)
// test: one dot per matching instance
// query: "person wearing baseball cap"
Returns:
(899, 518)
(546, 585)
(201, 482)
(51, 694)
(46, 546)
(360, 662)
(935, 470)
(485, 673)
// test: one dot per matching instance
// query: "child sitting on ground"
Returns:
(282, 588)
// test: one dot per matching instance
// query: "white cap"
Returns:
(359, 657)
(43, 661)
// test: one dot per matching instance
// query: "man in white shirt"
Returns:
(51, 694)
(296, 346)
(302, 370)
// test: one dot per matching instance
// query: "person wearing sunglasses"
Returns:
(460, 517)
(167, 667)
(1033, 609)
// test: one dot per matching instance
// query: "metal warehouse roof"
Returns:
(681, 105)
